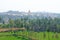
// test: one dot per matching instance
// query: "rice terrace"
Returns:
(29, 26)
(29, 19)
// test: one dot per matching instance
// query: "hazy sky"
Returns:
(33, 5)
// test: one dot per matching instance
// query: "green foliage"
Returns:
(41, 24)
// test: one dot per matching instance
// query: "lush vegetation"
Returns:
(29, 35)
(35, 29)
(35, 24)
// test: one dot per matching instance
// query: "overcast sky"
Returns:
(33, 5)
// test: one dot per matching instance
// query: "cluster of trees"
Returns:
(35, 24)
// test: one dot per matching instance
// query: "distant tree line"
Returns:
(35, 24)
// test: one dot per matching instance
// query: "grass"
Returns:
(9, 36)
(40, 35)
(29, 35)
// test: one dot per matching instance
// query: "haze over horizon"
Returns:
(33, 5)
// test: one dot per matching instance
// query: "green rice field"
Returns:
(29, 35)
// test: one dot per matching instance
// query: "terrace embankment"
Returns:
(10, 29)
